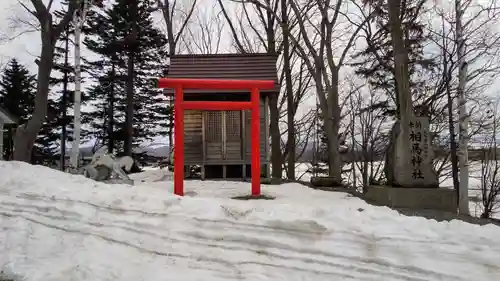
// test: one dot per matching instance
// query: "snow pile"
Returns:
(56, 226)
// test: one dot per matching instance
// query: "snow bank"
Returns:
(57, 226)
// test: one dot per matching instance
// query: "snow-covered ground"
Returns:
(301, 171)
(475, 205)
(56, 226)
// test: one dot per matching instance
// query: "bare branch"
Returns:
(231, 26)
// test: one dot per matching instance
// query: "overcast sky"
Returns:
(26, 47)
(15, 42)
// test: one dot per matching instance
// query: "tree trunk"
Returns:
(9, 148)
(64, 104)
(463, 160)
(130, 106)
(451, 126)
(276, 154)
(353, 141)
(291, 149)
(130, 82)
(111, 108)
(171, 51)
(170, 126)
(402, 82)
(332, 127)
(26, 134)
(75, 148)
(453, 147)
(275, 137)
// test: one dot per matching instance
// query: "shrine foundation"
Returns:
(417, 198)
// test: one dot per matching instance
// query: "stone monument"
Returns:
(419, 173)
(105, 167)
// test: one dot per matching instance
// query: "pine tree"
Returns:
(17, 93)
(61, 97)
(49, 137)
(111, 38)
(377, 63)
(63, 75)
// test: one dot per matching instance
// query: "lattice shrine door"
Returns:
(223, 135)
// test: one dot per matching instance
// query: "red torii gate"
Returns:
(180, 105)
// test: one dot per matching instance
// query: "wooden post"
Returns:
(1, 139)
(267, 152)
(179, 141)
(223, 131)
(255, 142)
(243, 138)
(203, 144)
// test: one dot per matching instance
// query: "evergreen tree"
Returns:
(376, 60)
(110, 35)
(61, 97)
(49, 137)
(17, 93)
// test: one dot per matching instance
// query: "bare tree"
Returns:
(368, 134)
(19, 24)
(468, 63)
(490, 168)
(301, 88)
(176, 22)
(293, 75)
(206, 35)
(291, 146)
(304, 134)
(267, 20)
(319, 57)
(50, 32)
(324, 55)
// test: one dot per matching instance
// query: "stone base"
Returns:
(413, 198)
(119, 181)
(325, 182)
(417, 186)
(270, 181)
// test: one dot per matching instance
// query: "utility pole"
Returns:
(78, 20)
(64, 103)
(463, 138)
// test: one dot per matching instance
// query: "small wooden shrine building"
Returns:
(219, 141)
(5, 119)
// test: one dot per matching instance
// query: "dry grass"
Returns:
(251, 197)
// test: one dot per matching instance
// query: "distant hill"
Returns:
(159, 151)
(162, 151)
(155, 150)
